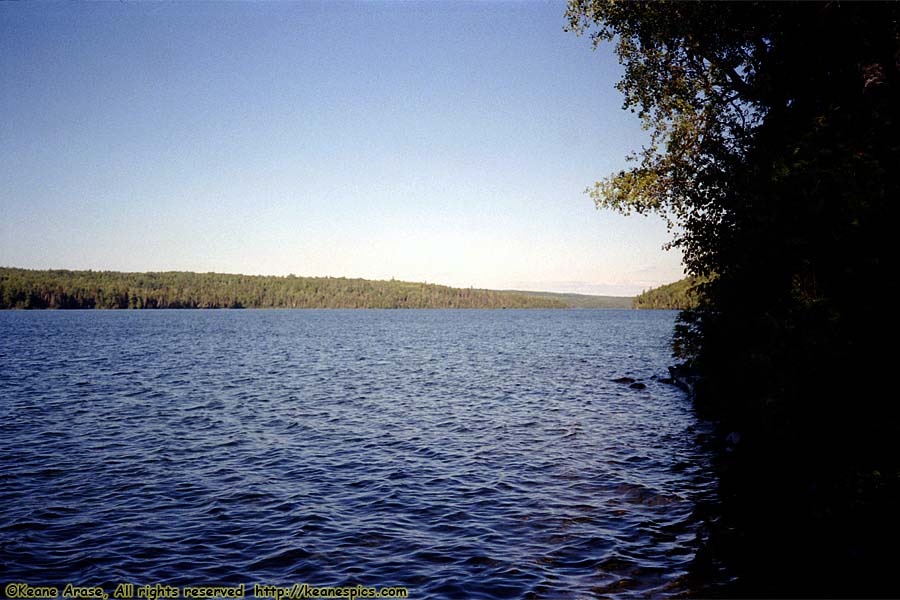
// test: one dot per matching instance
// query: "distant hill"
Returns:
(581, 300)
(32, 289)
(677, 295)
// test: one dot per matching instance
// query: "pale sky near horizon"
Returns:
(448, 142)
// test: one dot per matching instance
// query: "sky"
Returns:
(447, 142)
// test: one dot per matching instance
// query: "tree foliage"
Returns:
(28, 289)
(775, 139)
(774, 136)
(689, 74)
(680, 295)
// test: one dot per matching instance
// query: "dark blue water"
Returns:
(461, 454)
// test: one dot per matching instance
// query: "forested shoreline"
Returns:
(582, 300)
(772, 155)
(64, 289)
(679, 295)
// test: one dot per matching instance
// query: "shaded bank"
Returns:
(773, 152)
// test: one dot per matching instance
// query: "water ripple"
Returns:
(463, 454)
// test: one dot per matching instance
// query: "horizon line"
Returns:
(289, 275)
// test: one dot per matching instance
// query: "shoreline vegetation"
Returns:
(29, 289)
(680, 295)
(772, 157)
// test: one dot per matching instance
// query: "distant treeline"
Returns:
(679, 296)
(31, 289)
(583, 300)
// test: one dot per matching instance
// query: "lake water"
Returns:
(460, 454)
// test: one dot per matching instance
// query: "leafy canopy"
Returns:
(773, 147)
(700, 78)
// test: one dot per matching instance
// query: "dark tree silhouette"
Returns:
(775, 148)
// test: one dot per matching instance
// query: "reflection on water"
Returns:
(476, 454)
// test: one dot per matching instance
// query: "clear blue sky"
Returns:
(441, 142)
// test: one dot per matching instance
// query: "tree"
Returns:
(774, 141)
(773, 135)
